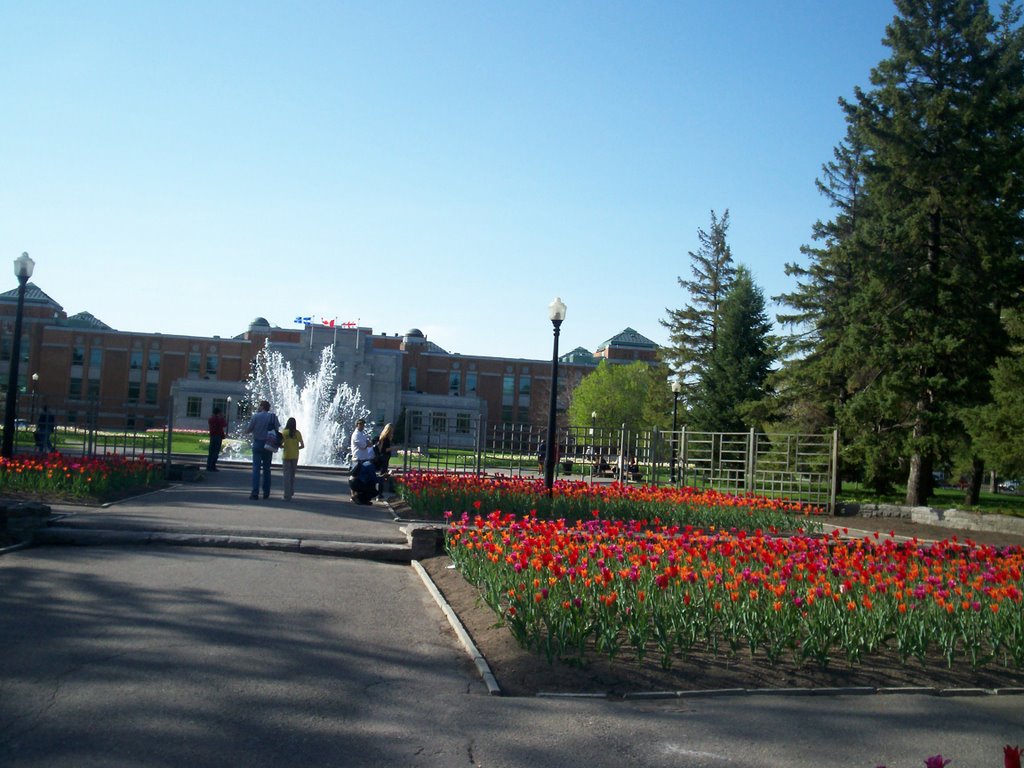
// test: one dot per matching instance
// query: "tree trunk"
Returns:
(920, 481)
(973, 491)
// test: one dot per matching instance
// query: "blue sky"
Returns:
(185, 167)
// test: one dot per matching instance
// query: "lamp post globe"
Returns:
(556, 314)
(23, 266)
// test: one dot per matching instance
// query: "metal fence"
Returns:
(800, 467)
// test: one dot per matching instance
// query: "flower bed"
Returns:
(436, 494)
(603, 586)
(54, 476)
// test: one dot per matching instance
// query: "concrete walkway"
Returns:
(143, 655)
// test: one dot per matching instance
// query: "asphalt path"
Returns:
(183, 656)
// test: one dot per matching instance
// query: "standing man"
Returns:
(218, 431)
(359, 444)
(262, 422)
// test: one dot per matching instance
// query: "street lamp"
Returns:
(227, 417)
(23, 271)
(35, 386)
(676, 389)
(556, 313)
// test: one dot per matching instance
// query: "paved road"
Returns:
(177, 656)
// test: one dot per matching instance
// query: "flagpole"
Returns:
(357, 334)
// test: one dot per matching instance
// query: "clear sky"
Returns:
(185, 167)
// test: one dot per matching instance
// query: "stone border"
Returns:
(957, 519)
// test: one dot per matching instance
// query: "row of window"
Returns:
(195, 362)
(454, 382)
(438, 421)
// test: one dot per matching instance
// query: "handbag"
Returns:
(272, 441)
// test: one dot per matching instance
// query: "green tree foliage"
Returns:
(932, 252)
(997, 428)
(636, 395)
(732, 384)
(693, 329)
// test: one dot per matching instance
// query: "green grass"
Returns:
(943, 498)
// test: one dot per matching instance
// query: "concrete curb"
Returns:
(460, 631)
(86, 537)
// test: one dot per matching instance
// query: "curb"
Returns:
(396, 553)
(460, 631)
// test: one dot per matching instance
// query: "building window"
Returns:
(134, 390)
(151, 394)
(135, 360)
(77, 355)
(506, 414)
(412, 379)
(193, 362)
(211, 365)
(471, 382)
(439, 422)
(416, 420)
(194, 407)
(454, 382)
(95, 359)
(220, 402)
(462, 423)
(93, 388)
(154, 361)
(524, 386)
(508, 389)
(75, 387)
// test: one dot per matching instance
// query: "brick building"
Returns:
(90, 374)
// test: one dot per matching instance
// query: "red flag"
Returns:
(328, 323)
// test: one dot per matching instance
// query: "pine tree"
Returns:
(733, 380)
(693, 330)
(937, 240)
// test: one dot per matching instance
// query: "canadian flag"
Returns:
(328, 323)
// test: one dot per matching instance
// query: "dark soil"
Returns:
(523, 673)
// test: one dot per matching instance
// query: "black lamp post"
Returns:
(676, 389)
(35, 388)
(556, 313)
(23, 271)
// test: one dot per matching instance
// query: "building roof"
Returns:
(33, 295)
(87, 320)
(628, 338)
(579, 356)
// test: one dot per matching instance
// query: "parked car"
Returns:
(1010, 486)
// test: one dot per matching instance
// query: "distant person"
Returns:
(291, 444)
(542, 452)
(45, 426)
(382, 449)
(218, 431)
(360, 443)
(262, 422)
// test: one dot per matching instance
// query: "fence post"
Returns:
(682, 462)
(170, 433)
(834, 470)
(751, 461)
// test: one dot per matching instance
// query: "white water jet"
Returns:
(325, 413)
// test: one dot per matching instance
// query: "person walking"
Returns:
(44, 431)
(291, 444)
(218, 431)
(262, 422)
(359, 445)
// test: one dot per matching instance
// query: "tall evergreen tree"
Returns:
(693, 330)
(733, 380)
(938, 237)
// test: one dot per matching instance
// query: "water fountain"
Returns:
(325, 413)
